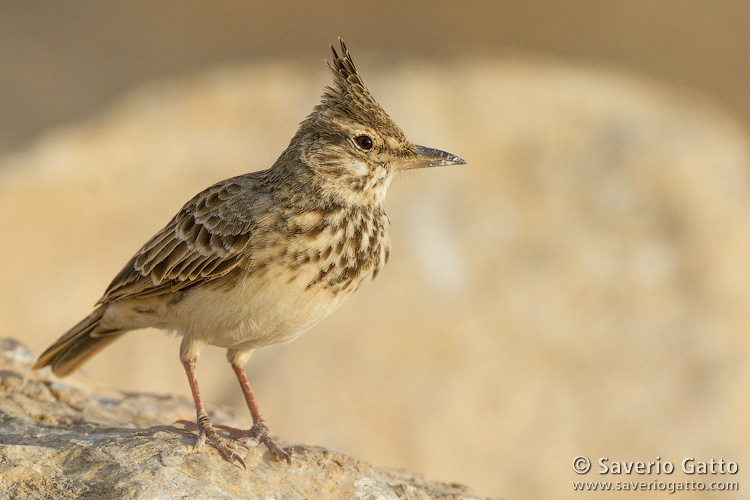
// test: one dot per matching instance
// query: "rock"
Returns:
(66, 440)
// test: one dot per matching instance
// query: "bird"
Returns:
(260, 258)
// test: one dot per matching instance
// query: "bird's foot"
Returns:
(227, 447)
(259, 432)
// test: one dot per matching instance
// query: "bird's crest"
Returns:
(349, 96)
(345, 72)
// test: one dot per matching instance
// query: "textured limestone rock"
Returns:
(61, 439)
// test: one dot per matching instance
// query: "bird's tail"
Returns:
(80, 343)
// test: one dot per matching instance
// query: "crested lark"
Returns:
(259, 259)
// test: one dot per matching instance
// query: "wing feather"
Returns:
(208, 238)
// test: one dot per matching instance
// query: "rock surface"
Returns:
(63, 440)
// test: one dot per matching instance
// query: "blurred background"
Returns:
(580, 288)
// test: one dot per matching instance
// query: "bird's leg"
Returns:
(248, 393)
(203, 424)
(259, 430)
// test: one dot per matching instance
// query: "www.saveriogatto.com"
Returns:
(688, 474)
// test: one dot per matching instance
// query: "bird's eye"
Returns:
(363, 142)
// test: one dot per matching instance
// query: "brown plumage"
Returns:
(260, 258)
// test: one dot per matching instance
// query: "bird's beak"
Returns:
(428, 157)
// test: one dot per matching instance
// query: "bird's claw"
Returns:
(227, 447)
(259, 432)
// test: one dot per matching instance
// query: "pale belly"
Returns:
(257, 312)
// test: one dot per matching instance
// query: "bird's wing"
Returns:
(204, 241)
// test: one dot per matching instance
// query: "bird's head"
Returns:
(351, 144)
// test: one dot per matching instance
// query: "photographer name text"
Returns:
(689, 466)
